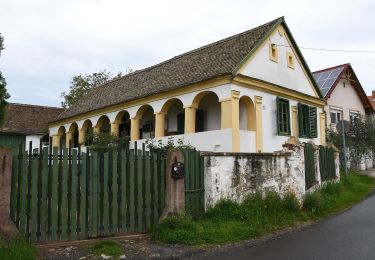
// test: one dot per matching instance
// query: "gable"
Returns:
(346, 97)
(278, 71)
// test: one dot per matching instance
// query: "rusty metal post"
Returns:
(7, 228)
(175, 184)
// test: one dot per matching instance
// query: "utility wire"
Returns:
(330, 50)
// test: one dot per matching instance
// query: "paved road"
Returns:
(350, 235)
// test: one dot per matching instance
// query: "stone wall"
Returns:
(236, 175)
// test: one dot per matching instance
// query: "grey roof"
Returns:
(215, 59)
(327, 78)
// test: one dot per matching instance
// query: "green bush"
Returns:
(313, 202)
(17, 249)
(107, 247)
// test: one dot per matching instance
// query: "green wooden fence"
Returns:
(327, 163)
(194, 182)
(310, 179)
(68, 194)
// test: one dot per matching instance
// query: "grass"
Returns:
(17, 249)
(255, 216)
(107, 247)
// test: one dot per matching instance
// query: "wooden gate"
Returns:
(327, 163)
(66, 194)
(194, 182)
(309, 166)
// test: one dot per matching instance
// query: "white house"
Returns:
(246, 93)
(344, 94)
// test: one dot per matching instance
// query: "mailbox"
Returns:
(178, 170)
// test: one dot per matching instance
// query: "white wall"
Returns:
(173, 111)
(212, 112)
(261, 67)
(344, 97)
(35, 139)
(271, 140)
(247, 141)
(217, 140)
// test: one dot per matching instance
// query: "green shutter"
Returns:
(300, 120)
(282, 116)
(199, 122)
(180, 123)
(313, 122)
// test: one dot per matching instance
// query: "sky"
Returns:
(48, 42)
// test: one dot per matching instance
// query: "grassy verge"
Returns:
(108, 248)
(257, 215)
(18, 249)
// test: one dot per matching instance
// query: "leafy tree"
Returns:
(81, 85)
(360, 139)
(3, 91)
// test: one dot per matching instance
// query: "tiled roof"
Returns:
(327, 80)
(218, 58)
(28, 119)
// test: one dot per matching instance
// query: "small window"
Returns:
(273, 52)
(354, 116)
(335, 116)
(283, 116)
(290, 60)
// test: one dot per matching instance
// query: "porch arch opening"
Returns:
(208, 112)
(62, 133)
(104, 125)
(73, 129)
(174, 117)
(147, 122)
(247, 114)
(123, 119)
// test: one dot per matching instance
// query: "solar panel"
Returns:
(325, 79)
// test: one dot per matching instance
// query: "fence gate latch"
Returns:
(177, 170)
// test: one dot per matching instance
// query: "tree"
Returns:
(4, 95)
(81, 85)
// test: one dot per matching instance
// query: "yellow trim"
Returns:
(278, 30)
(159, 125)
(56, 140)
(97, 129)
(142, 101)
(322, 128)
(278, 90)
(259, 124)
(290, 60)
(294, 121)
(230, 118)
(68, 138)
(190, 119)
(273, 52)
(134, 128)
(115, 129)
(82, 137)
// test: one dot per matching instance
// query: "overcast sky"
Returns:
(47, 42)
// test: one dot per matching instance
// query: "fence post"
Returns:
(175, 184)
(7, 228)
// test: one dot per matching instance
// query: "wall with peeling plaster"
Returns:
(236, 175)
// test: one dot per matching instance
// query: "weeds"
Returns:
(229, 221)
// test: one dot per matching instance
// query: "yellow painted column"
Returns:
(82, 137)
(97, 129)
(159, 124)
(259, 124)
(68, 139)
(115, 129)
(134, 128)
(190, 119)
(230, 118)
(294, 121)
(322, 128)
(56, 140)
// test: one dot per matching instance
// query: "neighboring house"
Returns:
(344, 94)
(25, 123)
(372, 99)
(247, 93)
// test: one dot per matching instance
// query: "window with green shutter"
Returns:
(307, 121)
(283, 116)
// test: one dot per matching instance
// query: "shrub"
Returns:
(313, 202)
(225, 210)
(290, 203)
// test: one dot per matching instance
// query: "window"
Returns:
(354, 116)
(307, 119)
(283, 116)
(335, 116)
(273, 52)
(290, 60)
